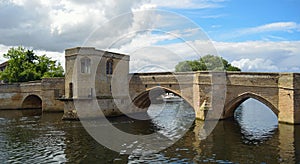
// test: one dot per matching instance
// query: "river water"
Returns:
(254, 136)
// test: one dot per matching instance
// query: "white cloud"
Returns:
(58, 24)
(145, 52)
(276, 26)
(254, 56)
(149, 59)
(249, 56)
(257, 56)
(18, 2)
(50, 26)
(281, 56)
(3, 50)
(254, 49)
(257, 64)
(58, 56)
(264, 31)
(188, 4)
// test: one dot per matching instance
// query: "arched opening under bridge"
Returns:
(32, 102)
(235, 103)
(158, 95)
(172, 118)
(257, 118)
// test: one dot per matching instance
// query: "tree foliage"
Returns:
(206, 63)
(24, 65)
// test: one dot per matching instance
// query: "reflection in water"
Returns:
(172, 119)
(13, 114)
(45, 138)
(257, 121)
(21, 140)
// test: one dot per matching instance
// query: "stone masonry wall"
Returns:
(48, 90)
(51, 90)
(297, 98)
(261, 86)
(10, 96)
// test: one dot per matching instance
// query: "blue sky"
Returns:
(221, 23)
(251, 34)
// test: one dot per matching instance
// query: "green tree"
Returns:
(186, 66)
(183, 66)
(207, 62)
(24, 65)
(48, 68)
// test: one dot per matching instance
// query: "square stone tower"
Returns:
(95, 74)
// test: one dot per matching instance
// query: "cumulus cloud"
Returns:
(54, 25)
(71, 20)
(50, 26)
(254, 56)
(262, 55)
(257, 64)
(261, 49)
(57, 24)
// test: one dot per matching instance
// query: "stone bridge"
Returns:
(223, 91)
(42, 94)
(104, 77)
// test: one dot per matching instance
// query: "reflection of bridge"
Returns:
(226, 137)
(211, 94)
(33, 95)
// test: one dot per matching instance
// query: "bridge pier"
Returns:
(289, 98)
(209, 93)
(289, 142)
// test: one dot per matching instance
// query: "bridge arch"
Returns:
(143, 100)
(233, 104)
(32, 102)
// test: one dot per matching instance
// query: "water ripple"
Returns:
(47, 139)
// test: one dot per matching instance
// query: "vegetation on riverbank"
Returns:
(24, 65)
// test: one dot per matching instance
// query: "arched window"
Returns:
(109, 67)
(85, 65)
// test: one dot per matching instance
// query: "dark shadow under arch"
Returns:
(143, 100)
(233, 104)
(32, 102)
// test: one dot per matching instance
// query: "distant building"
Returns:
(3, 66)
